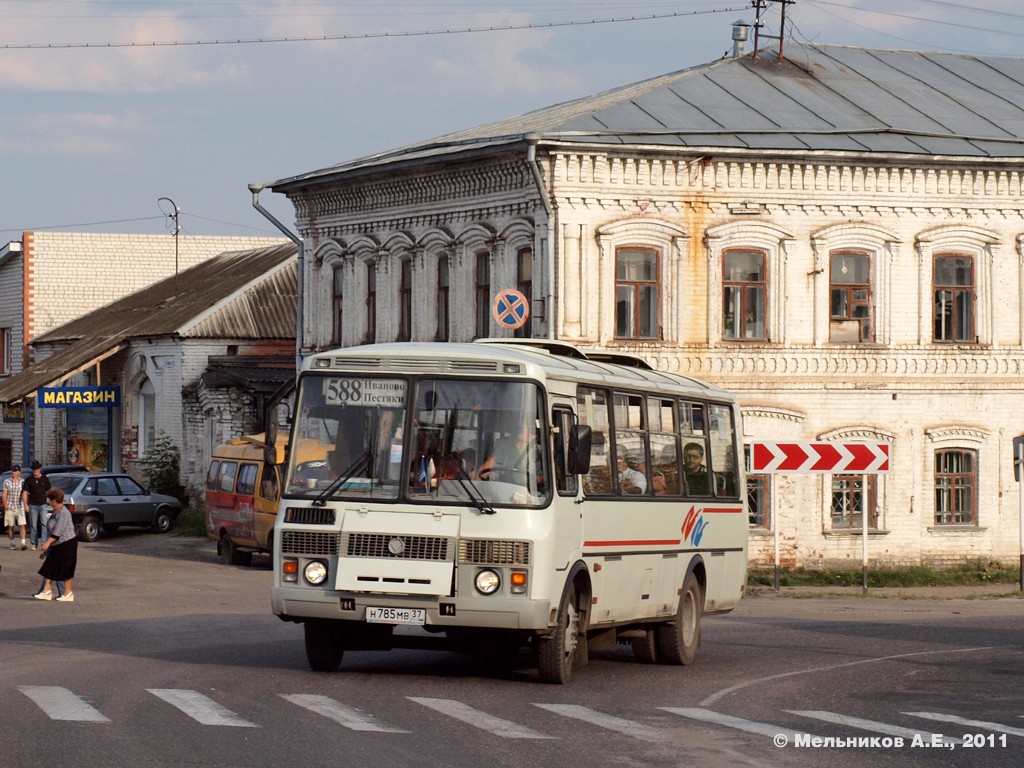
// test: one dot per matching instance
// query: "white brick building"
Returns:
(48, 279)
(839, 237)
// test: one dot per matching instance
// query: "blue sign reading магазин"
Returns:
(80, 397)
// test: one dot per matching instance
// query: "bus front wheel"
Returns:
(555, 654)
(324, 650)
(678, 641)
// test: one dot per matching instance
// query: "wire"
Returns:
(367, 35)
(83, 224)
(892, 14)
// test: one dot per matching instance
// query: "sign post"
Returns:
(1018, 475)
(808, 458)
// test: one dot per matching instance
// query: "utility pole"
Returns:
(175, 210)
(761, 6)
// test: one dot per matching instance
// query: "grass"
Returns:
(910, 576)
(191, 522)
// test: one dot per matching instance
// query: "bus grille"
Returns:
(309, 515)
(488, 552)
(309, 543)
(413, 547)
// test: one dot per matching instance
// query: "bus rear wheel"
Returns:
(324, 650)
(678, 641)
(555, 654)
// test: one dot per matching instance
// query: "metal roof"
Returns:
(818, 98)
(248, 294)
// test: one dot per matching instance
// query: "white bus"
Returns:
(498, 494)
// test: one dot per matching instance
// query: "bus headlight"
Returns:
(487, 582)
(315, 572)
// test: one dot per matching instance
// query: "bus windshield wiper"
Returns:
(474, 494)
(344, 477)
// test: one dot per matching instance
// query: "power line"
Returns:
(83, 224)
(922, 19)
(367, 35)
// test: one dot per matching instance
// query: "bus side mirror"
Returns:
(580, 440)
(270, 444)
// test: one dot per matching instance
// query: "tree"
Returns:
(162, 467)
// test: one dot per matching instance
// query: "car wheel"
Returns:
(324, 650)
(230, 554)
(679, 640)
(89, 528)
(163, 520)
(555, 654)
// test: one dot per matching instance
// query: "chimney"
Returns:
(740, 28)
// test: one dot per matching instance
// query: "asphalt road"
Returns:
(169, 659)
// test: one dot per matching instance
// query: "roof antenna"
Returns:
(760, 7)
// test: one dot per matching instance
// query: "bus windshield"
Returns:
(420, 440)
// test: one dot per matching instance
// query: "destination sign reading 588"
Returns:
(365, 392)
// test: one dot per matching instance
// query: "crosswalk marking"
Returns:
(201, 708)
(347, 716)
(752, 726)
(61, 704)
(495, 725)
(866, 725)
(610, 722)
(998, 727)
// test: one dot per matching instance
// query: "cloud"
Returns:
(74, 133)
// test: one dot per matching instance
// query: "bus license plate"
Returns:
(411, 616)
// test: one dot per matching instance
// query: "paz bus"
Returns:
(508, 493)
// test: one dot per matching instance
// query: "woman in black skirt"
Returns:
(60, 549)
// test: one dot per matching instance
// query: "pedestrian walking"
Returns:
(14, 507)
(60, 550)
(34, 488)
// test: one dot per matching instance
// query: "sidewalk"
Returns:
(973, 592)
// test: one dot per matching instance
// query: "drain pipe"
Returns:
(300, 270)
(549, 299)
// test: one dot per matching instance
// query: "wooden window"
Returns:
(850, 297)
(483, 295)
(371, 304)
(746, 289)
(848, 500)
(636, 293)
(524, 284)
(405, 301)
(443, 285)
(956, 481)
(337, 305)
(953, 283)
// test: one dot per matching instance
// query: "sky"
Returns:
(114, 112)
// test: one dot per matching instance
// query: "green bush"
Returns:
(162, 467)
(979, 572)
(191, 522)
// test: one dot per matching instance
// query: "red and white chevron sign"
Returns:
(824, 457)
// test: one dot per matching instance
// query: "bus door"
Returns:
(567, 519)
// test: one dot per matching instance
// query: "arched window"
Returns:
(337, 278)
(953, 287)
(524, 284)
(636, 293)
(956, 481)
(405, 302)
(147, 416)
(850, 297)
(483, 295)
(371, 303)
(443, 286)
(746, 288)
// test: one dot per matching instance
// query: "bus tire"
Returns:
(324, 650)
(231, 554)
(555, 654)
(645, 648)
(678, 640)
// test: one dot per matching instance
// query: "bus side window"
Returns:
(247, 479)
(211, 476)
(566, 482)
(269, 486)
(592, 407)
(226, 480)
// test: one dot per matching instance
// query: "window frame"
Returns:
(636, 287)
(482, 294)
(444, 285)
(961, 292)
(865, 323)
(405, 283)
(854, 517)
(524, 284)
(951, 490)
(743, 288)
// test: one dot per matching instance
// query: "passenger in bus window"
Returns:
(630, 480)
(694, 469)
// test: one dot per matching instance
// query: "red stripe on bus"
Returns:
(638, 543)
(723, 510)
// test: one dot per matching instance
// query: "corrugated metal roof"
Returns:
(235, 295)
(819, 98)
